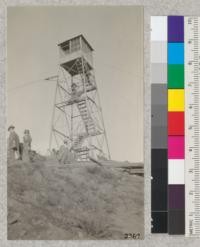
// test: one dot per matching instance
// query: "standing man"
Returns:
(13, 144)
(26, 146)
(65, 156)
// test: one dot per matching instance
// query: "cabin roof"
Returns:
(65, 42)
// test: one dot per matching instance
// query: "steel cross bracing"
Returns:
(77, 114)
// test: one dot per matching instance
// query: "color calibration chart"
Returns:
(175, 122)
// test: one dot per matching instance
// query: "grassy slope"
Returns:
(48, 201)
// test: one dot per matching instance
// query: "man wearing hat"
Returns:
(13, 144)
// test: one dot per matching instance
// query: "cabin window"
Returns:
(85, 47)
(75, 45)
(66, 48)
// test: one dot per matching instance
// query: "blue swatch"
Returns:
(175, 53)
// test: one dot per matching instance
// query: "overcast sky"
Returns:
(115, 33)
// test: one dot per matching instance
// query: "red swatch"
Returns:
(176, 123)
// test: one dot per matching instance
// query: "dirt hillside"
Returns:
(49, 201)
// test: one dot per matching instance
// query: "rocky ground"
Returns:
(49, 201)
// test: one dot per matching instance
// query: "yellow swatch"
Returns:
(175, 99)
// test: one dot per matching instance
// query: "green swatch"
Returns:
(175, 74)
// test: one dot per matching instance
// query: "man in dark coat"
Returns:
(13, 144)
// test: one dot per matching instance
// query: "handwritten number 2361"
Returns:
(132, 235)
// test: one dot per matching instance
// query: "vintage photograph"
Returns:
(75, 148)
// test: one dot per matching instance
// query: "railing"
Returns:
(66, 56)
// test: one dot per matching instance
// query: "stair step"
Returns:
(83, 153)
(91, 130)
(83, 156)
(80, 153)
(84, 115)
(82, 149)
(83, 159)
(78, 141)
(83, 110)
(82, 106)
(82, 102)
(89, 125)
(90, 121)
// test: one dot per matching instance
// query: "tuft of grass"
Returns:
(96, 227)
(93, 169)
(101, 172)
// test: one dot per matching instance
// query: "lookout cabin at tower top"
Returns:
(75, 51)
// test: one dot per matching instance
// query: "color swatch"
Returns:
(176, 138)
(159, 124)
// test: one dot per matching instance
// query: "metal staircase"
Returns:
(78, 141)
(87, 120)
(81, 152)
